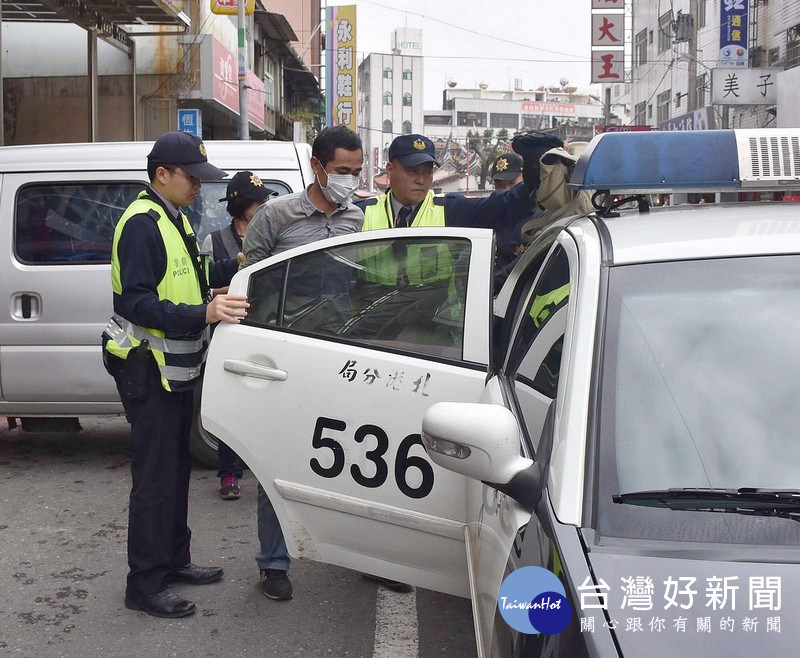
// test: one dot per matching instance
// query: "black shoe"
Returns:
(163, 604)
(276, 585)
(191, 574)
(394, 585)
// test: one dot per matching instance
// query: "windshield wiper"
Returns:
(746, 500)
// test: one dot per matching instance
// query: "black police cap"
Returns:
(412, 150)
(186, 151)
(246, 185)
(507, 166)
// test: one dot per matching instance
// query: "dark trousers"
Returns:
(229, 462)
(158, 534)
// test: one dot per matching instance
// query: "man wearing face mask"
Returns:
(323, 210)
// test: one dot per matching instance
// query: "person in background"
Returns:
(154, 347)
(323, 210)
(244, 194)
(506, 171)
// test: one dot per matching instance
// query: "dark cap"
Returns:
(507, 166)
(246, 185)
(188, 152)
(412, 150)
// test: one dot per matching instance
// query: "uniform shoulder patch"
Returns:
(363, 203)
(152, 214)
(438, 200)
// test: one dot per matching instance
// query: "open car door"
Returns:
(321, 391)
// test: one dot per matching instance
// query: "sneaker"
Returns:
(276, 584)
(229, 487)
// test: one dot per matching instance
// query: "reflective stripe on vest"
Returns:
(422, 264)
(179, 360)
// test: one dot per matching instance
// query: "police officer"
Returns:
(506, 171)
(410, 200)
(154, 346)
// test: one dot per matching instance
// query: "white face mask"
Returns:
(340, 189)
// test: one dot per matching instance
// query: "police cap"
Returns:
(507, 166)
(188, 152)
(246, 185)
(412, 150)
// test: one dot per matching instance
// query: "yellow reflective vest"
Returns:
(179, 359)
(422, 264)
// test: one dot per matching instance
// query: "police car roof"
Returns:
(704, 231)
(230, 155)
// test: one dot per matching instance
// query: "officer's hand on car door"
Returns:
(227, 308)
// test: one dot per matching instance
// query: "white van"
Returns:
(59, 204)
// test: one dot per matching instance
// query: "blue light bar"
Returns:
(690, 161)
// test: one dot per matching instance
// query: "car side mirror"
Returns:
(481, 441)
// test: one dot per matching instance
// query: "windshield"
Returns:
(700, 389)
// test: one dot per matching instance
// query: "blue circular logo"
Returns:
(532, 600)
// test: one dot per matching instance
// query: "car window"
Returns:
(535, 358)
(69, 222)
(405, 294)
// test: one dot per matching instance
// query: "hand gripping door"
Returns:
(323, 389)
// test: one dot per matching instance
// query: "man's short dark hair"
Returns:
(332, 138)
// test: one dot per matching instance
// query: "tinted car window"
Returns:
(70, 222)
(535, 359)
(340, 293)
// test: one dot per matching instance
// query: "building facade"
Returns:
(139, 91)
(389, 97)
(678, 54)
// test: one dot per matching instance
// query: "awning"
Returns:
(106, 17)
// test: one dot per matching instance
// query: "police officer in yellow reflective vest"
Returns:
(154, 346)
(410, 201)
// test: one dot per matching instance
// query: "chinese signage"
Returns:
(530, 107)
(340, 60)
(744, 86)
(747, 605)
(231, 7)
(608, 24)
(700, 119)
(733, 26)
(219, 82)
(190, 121)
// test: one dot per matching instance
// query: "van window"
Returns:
(214, 214)
(62, 223)
(70, 222)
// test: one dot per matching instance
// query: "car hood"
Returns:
(763, 638)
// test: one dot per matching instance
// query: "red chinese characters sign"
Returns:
(607, 66)
(226, 86)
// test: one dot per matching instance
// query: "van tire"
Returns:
(202, 444)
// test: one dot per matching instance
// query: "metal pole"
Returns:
(134, 89)
(607, 107)
(91, 83)
(244, 123)
(691, 97)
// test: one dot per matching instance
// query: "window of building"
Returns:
(406, 127)
(269, 82)
(438, 120)
(406, 74)
(387, 97)
(665, 32)
(387, 73)
(793, 47)
(641, 48)
(640, 114)
(650, 111)
(387, 126)
(471, 119)
(503, 120)
(701, 13)
(774, 56)
(662, 106)
(406, 100)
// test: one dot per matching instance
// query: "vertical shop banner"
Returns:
(340, 66)
(733, 28)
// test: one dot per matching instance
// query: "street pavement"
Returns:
(63, 524)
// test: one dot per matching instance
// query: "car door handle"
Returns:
(250, 369)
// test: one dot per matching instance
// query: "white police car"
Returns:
(624, 414)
